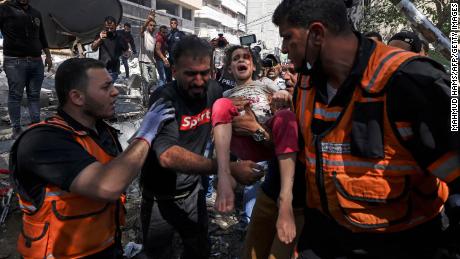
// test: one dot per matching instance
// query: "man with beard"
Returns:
(24, 40)
(173, 198)
(272, 73)
(289, 76)
(111, 46)
(70, 173)
(381, 162)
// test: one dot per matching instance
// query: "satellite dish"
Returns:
(69, 21)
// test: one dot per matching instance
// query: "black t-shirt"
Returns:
(23, 31)
(226, 81)
(48, 154)
(190, 130)
(128, 38)
(110, 51)
(174, 36)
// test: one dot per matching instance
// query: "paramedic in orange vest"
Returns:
(69, 171)
(381, 162)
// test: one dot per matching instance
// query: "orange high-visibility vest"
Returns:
(68, 225)
(386, 194)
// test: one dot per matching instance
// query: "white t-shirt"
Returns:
(277, 84)
(258, 95)
(280, 83)
(147, 50)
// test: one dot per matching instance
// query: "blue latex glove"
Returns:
(154, 119)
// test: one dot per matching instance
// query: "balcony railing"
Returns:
(140, 12)
(135, 10)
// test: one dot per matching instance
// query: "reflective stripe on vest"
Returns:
(377, 72)
(361, 192)
(302, 96)
(54, 194)
(364, 164)
(336, 148)
(447, 168)
(405, 130)
(303, 100)
(324, 115)
(30, 208)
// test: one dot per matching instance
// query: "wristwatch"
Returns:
(259, 135)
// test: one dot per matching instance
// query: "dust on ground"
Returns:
(226, 232)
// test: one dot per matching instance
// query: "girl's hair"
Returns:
(228, 59)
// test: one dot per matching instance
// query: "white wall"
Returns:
(208, 12)
(259, 22)
(191, 4)
(237, 6)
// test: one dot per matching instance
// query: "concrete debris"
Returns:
(131, 249)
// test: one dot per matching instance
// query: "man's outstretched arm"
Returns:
(180, 159)
(108, 181)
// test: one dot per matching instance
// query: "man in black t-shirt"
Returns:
(129, 40)
(111, 46)
(173, 198)
(69, 171)
(24, 40)
(174, 36)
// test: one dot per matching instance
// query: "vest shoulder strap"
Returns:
(59, 122)
(54, 121)
(382, 64)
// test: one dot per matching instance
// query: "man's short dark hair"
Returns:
(110, 19)
(229, 52)
(173, 20)
(373, 34)
(274, 59)
(410, 38)
(163, 27)
(192, 46)
(257, 49)
(127, 24)
(301, 13)
(71, 74)
(228, 59)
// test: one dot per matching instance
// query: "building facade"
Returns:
(135, 12)
(221, 16)
(260, 23)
